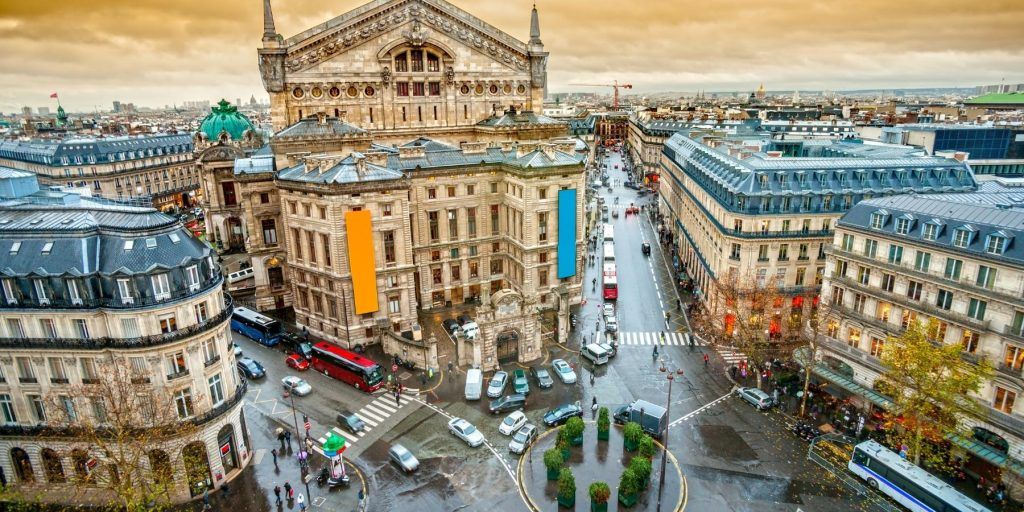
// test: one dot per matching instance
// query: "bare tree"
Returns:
(122, 434)
(812, 335)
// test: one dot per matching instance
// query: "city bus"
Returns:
(609, 252)
(255, 326)
(348, 367)
(907, 484)
(610, 282)
(609, 233)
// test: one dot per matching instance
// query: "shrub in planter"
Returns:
(599, 495)
(603, 424)
(566, 488)
(641, 466)
(631, 435)
(553, 461)
(574, 430)
(629, 488)
(563, 445)
(646, 447)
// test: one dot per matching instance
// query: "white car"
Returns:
(609, 309)
(470, 330)
(611, 324)
(564, 371)
(466, 431)
(296, 385)
(512, 423)
(497, 385)
(236, 349)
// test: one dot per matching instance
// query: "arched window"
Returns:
(53, 468)
(160, 465)
(197, 467)
(80, 460)
(22, 466)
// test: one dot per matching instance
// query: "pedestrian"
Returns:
(592, 380)
(705, 360)
(775, 395)
(302, 502)
(450, 366)
(288, 491)
(398, 403)
(224, 489)
(277, 493)
(362, 502)
(206, 498)
(273, 453)
(280, 437)
(288, 439)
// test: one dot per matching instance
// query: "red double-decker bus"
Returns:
(349, 367)
(610, 282)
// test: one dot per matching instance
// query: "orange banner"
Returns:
(361, 261)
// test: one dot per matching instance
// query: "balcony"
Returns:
(28, 380)
(211, 323)
(921, 306)
(177, 375)
(116, 303)
(212, 361)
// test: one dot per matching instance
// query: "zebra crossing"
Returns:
(679, 339)
(731, 356)
(372, 414)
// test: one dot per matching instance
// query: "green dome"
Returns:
(225, 118)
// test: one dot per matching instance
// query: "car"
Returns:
(645, 248)
(512, 422)
(297, 343)
(615, 213)
(564, 371)
(297, 361)
(507, 403)
(526, 435)
(990, 438)
(520, 383)
(544, 380)
(236, 349)
(561, 414)
(351, 422)
(612, 348)
(609, 309)
(451, 326)
(611, 324)
(497, 384)
(756, 397)
(465, 430)
(463, 319)
(630, 184)
(621, 415)
(251, 368)
(470, 330)
(404, 458)
(296, 385)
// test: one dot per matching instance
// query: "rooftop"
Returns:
(318, 125)
(77, 151)
(1007, 98)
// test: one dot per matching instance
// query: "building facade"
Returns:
(89, 286)
(954, 258)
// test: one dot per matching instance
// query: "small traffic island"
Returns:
(565, 471)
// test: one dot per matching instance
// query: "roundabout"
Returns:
(597, 461)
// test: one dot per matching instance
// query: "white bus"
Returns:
(907, 484)
(609, 233)
(609, 252)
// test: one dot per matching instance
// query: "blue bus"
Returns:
(258, 327)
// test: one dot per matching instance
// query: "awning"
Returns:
(849, 385)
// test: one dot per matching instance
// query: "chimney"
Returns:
(360, 161)
(525, 148)
(377, 158)
(321, 118)
(412, 152)
(474, 148)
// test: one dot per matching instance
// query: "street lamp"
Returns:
(302, 445)
(664, 437)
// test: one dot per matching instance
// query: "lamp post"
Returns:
(664, 435)
(302, 445)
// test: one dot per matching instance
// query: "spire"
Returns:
(535, 27)
(269, 32)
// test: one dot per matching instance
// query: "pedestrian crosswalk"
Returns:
(372, 414)
(731, 356)
(680, 339)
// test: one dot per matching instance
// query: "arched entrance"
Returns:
(197, 467)
(52, 466)
(160, 466)
(507, 346)
(82, 464)
(22, 466)
(228, 450)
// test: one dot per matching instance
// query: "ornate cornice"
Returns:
(330, 42)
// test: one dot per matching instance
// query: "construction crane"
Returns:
(614, 85)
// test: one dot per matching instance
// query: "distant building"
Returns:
(998, 101)
(26, 111)
(998, 88)
(117, 107)
(43, 111)
(989, 149)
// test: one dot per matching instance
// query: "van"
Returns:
(595, 353)
(241, 275)
(470, 330)
(474, 383)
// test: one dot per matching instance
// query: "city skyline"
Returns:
(190, 50)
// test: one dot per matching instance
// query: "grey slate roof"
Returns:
(428, 145)
(312, 127)
(511, 118)
(346, 170)
(254, 165)
(95, 150)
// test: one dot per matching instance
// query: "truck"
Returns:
(652, 418)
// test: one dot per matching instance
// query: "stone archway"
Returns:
(228, 450)
(507, 346)
(22, 465)
(197, 467)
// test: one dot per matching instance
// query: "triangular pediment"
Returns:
(404, 18)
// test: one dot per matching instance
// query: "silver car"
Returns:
(523, 437)
(404, 458)
(564, 371)
(466, 431)
(296, 385)
(497, 385)
(756, 397)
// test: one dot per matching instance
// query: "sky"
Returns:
(160, 52)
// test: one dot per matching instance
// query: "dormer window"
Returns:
(763, 179)
(962, 236)
(996, 244)
(903, 225)
(930, 231)
(801, 178)
(878, 219)
(782, 179)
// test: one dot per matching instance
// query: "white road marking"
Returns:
(501, 459)
(700, 410)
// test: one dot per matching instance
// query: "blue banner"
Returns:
(566, 233)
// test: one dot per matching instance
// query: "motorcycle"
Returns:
(405, 363)
(806, 431)
(572, 320)
(325, 478)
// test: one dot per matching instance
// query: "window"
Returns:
(888, 282)
(882, 311)
(394, 305)
(877, 345)
(453, 223)
(542, 227)
(311, 242)
(161, 287)
(385, 210)
(864, 275)
(210, 354)
(914, 290)
(168, 324)
(847, 242)
(877, 220)
(783, 252)
(837, 296)
(542, 276)
(1004, 400)
(433, 226)
(802, 254)
(833, 328)
(90, 375)
(495, 224)
(903, 226)
(762, 276)
(42, 292)
(7, 407)
(389, 246)
(735, 253)
(14, 328)
(930, 232)
(9, 294)
(1013, 358)
(325, 242)
(895, 254)
(470, 190)
(57, 373)
(995, 244)
(38, 410)
(201, 313)
(969, 341)
(854, 339)
(183, 401)
(944, 299)
(800, 274)
(976, 309)
(961, 238)
(858, 302)
(1018, 323)
(922, 261)
(68, 404)
(81, 328)
(471, 221)
(269, 231)
(953, 267)
(48, 328)
(762, 252)
(937, 331)
(176, 365)
(130, 327)
(841, 268)
(986, 277)
(435, 274)
(192, 277)
(216, 390)
(455, 269)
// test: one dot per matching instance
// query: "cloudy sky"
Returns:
(157, 52)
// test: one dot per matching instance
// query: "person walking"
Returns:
(280, 438)
(398, 403)
(705, 360)
(309, 445)
(206, 499)
(273, 453)
(288, 491)
(277, 494)
(301, 501)
(224, 490)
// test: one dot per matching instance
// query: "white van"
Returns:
(609, 233)
(241, 275)
(470, 330)
(595, 353)
(474, 383)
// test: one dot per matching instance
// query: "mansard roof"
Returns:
(95, 150)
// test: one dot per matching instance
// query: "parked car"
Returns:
(756, 397)
(297, 361)
(470, 330)
(236, 349)
(497, 384)
(251, 368)
(474, 381)
(611, 324)
(520, 383)
(544, 380)
(609, 309)
(612, 348)
(463, 319)
(564, 371)
(561, 414)
(507, 403)
(351, 422)
(404, 458)
(296, 385)
(512, 422)
(990, 438)
(451, 326)
(523, 437)
(466, 431)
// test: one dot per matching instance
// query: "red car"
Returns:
(298, 362)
